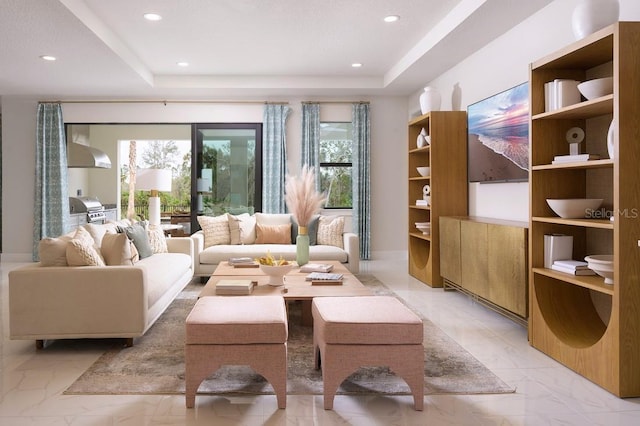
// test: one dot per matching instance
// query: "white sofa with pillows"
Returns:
(226, 236)
(99, 281)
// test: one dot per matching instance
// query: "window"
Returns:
(335, 168)
(228, 168)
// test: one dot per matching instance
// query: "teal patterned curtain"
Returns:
(51, 206)
(274, 146)
(311, 138)
(361, 179)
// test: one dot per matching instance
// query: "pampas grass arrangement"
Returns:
(301, 197)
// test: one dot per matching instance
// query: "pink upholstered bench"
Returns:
(237, 330)
(353, 332)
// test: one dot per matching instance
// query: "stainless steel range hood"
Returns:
(83, 156)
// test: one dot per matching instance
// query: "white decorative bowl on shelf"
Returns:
(276, 273)
(424, 171)
(596, 88)
(601, 264)
(574, 208)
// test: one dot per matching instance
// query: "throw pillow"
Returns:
(330, 230)
(242, 228)
(117, 249)
(312, 230)
(138, 235)
(97, 231)
(273, 234)
(53, 251)
(81, 252)
(273, 218)
(157, 240)
(215, 230)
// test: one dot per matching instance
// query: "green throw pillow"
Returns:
(312, 230)
(138, 235)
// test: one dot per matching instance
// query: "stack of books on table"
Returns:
(243, 262)
(560, 159)
(324, 278)
(231, 287)
(316, 267)
(573, 267)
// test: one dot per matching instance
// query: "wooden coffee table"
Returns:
(295, 287)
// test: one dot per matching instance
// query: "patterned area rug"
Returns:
(155, 364)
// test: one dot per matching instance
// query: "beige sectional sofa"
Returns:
(117, 301)
(227, 236)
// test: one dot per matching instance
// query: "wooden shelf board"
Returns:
(425, 149)
(587, 223)
(413, 206)
(592, 282)
(420, 235)
(418, 178)
(592, 164)
(586, 109)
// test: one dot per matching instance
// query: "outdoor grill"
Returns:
(89, 205)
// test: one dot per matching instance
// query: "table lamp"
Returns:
(202, 185)
(154, 180)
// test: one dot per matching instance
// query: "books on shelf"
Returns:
(560, 93)
(558, 159)
(316, 267)
(234, 287)
(572, 271)
(324, 278)
(572, 264)
(422, 203)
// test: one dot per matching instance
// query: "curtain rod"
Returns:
(161, 101)
(335, 102)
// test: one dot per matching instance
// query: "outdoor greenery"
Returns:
(335, 172)
(160, 155)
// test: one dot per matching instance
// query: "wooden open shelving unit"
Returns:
(591, 327)
(447, 157)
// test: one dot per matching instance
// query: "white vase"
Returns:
(430, 100)
(610, 144)
(590, 16)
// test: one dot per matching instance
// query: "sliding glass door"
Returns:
(228, 168)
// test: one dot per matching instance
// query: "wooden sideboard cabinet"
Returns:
(487, 259)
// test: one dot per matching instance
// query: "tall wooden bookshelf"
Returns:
(589, 326)
(446, 155)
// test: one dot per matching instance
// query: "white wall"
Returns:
(502, 64)
(388, 153)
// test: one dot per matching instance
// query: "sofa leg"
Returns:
(128, 342)
(39, 344)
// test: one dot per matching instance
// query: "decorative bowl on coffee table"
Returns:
(276, 273)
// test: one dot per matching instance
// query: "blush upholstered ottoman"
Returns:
(237, 330)
(353, 332)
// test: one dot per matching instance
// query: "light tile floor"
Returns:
(546, 392)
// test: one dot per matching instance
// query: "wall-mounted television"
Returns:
(498, 139)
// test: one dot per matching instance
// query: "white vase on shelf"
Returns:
(430, 100)
(590, 16)
(610, 144)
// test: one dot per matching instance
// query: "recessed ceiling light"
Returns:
(183, 64)
(152, 17)
(356, 65)
(48, 57)
(391, 18)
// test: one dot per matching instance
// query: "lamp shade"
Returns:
(153, 180)
(203, 185)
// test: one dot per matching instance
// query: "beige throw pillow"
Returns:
(215, 229)
(273, 234)
(242, 228)
(53, 251)
(83, 253)
(273, 218)
(117, 249)
(157, 240)
(330, 230)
